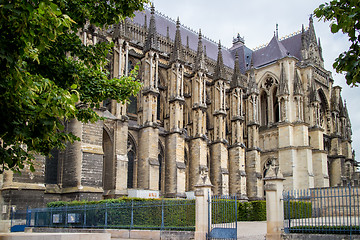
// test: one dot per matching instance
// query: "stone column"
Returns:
(202, 194)
(319, 157)
(237, 175)
(274, 205)
(121, 159)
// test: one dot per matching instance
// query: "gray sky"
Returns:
(255, 21)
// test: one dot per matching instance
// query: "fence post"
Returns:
(106, 216)
(84, 224)
(274, 205)
(132, 214)
(202, 196)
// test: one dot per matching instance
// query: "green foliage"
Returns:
(345, 16)
(147, 213)
(298, 209)
(252, 211)
(258, 211)
(223, 211)
(46, 71)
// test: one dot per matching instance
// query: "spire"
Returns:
(252, 86)
(283, 85)
(177, 53)
(303, 38)
(277, 31)
(145, 22)
(236, 77)
(219, 69)
(311, 32)
(320, 50)
(152, 38)
(200, 59)
(298, 89)
(342, 108)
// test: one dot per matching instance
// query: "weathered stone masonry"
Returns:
(202, 108)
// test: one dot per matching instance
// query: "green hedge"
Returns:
(298, 209)
(147, 213)
(106, 201)
(252, 211)
(256, 210)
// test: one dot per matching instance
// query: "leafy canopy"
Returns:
(48, 77)
(345, 16)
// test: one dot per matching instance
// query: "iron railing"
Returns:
(159, 215)
(322, 210)
(222, 217)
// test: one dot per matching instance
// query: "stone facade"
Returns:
(202, 108)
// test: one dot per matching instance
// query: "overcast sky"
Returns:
(256, 21)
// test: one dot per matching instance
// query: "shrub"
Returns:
(131, 213)
(298, 209)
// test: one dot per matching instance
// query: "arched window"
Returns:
(130, 66)
(276, 111)
(132, 106)
(186, 161)
(108, 168)
(160, 159)
(263, 109)
(323, 108)
(158, 112)
(131, 154)
(51, 167)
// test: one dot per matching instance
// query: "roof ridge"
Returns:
(280, 39)
(184, 26)
(292, 34)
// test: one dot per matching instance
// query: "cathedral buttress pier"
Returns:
(254, 183)
(116, 161)
(198, 141)
(237, 174)
(175, 178)
(148, 164)
(295, 155)
(316, 134)
(219, 173)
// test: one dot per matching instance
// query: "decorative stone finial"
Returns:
(219, 69)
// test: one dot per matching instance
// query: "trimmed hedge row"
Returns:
(150, 212)
(252, 211)
(298, 209)
(147, 213)
(105, 201)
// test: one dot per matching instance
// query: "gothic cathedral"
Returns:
(203, 109)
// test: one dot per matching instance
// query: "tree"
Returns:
(345, 16)
(48, 77)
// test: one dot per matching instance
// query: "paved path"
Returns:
(246, 231)
(251, 230)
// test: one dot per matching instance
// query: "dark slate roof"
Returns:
(245, 55)
(293, 45)
(273, 51)
(163, 22)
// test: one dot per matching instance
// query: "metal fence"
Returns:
(323, 210)
(160, 215)
(222, 217)
(17, 220)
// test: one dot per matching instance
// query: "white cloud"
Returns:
(256, 20)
